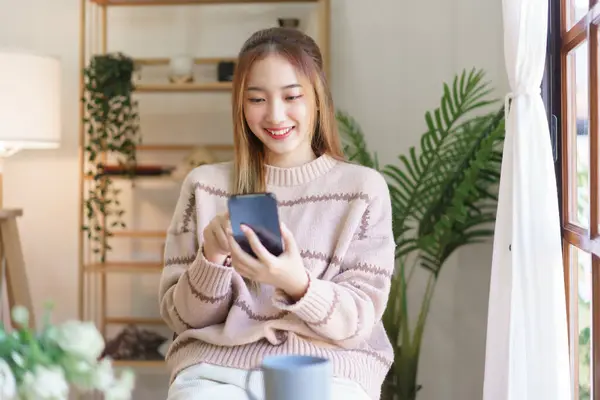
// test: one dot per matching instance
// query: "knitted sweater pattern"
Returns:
(340, 216)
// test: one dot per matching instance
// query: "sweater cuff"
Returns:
(210, 278)
(314, 307)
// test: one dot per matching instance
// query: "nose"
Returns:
(276, 112)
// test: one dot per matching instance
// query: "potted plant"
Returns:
(443, 198)
(111, 124)
(49, 363)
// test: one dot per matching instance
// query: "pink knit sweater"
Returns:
(340, 215)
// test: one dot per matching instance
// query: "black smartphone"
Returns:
(260, 213)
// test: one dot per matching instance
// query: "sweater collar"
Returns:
(277, 176)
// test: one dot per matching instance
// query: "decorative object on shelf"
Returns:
(137, 73)
(225, 70)
(45, 364)
(198, 156)
(135, 344)
(163, 349)
(444, 197)
(181, 69)
(112, 128)
(139, 170)
(289, 22)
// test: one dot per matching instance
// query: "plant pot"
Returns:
(391, 390)
(288, 22)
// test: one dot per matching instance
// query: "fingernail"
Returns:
(244, 227)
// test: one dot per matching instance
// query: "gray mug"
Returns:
(294, 378)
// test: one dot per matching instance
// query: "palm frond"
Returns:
(353, 140)
(444, 197)
(421, 182)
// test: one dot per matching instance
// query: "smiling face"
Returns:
(279, 108)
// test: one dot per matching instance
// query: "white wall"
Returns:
(388, 67)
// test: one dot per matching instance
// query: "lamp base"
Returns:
(1, 181)
(13, 278)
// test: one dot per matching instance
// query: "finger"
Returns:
(225, 223)
(210, 237)
(289, 243)
(228, 229)
(242, 257)
(221, 238)
(259, 249)
(242, 269)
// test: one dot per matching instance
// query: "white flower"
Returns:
(121, 390)
(103, 377)
(80, 339)
(8, 385)
(79, 372)
(45, 383)
(20, 315)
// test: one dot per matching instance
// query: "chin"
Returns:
(287, 145)
(282, 149)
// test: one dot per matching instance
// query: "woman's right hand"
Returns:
(216, 244)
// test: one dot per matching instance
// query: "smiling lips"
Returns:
(279, 133)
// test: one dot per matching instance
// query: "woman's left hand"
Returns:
(286, 271)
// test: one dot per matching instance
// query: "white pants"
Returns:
(211, 382)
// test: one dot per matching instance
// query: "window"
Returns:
(572, 94)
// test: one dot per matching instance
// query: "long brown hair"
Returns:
(304, 54)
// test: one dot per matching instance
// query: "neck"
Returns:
(296, 159)
(300, 174)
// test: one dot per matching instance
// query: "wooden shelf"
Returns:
(140, 234)
(188, 2)
(137, 178)
(127, 267)
(134, 321)
(184, 147)
(153, 80)
(139, 363)
(182, 87)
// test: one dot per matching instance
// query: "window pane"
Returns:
(581, 320)
(576, 9)
(578, 135)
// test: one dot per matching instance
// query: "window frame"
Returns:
(561, 40)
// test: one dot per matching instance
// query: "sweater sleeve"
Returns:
(346, 308)
(193, 292)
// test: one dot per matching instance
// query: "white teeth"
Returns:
(279, 132)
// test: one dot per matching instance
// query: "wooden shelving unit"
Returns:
(184, 87)
(93, 286)
(188, 2)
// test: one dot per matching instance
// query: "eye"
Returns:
(255, 100)
(292, 98)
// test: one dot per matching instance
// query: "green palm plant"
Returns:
(443, 197)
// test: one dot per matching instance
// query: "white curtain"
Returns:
(527, 356)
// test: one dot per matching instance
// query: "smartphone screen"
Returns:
(259, 212)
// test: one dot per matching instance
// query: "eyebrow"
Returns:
(256, 88)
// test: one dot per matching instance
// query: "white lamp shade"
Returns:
(29, 101)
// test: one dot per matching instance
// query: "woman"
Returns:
(326, 293)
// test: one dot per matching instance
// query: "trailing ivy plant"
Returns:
(111, 123)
